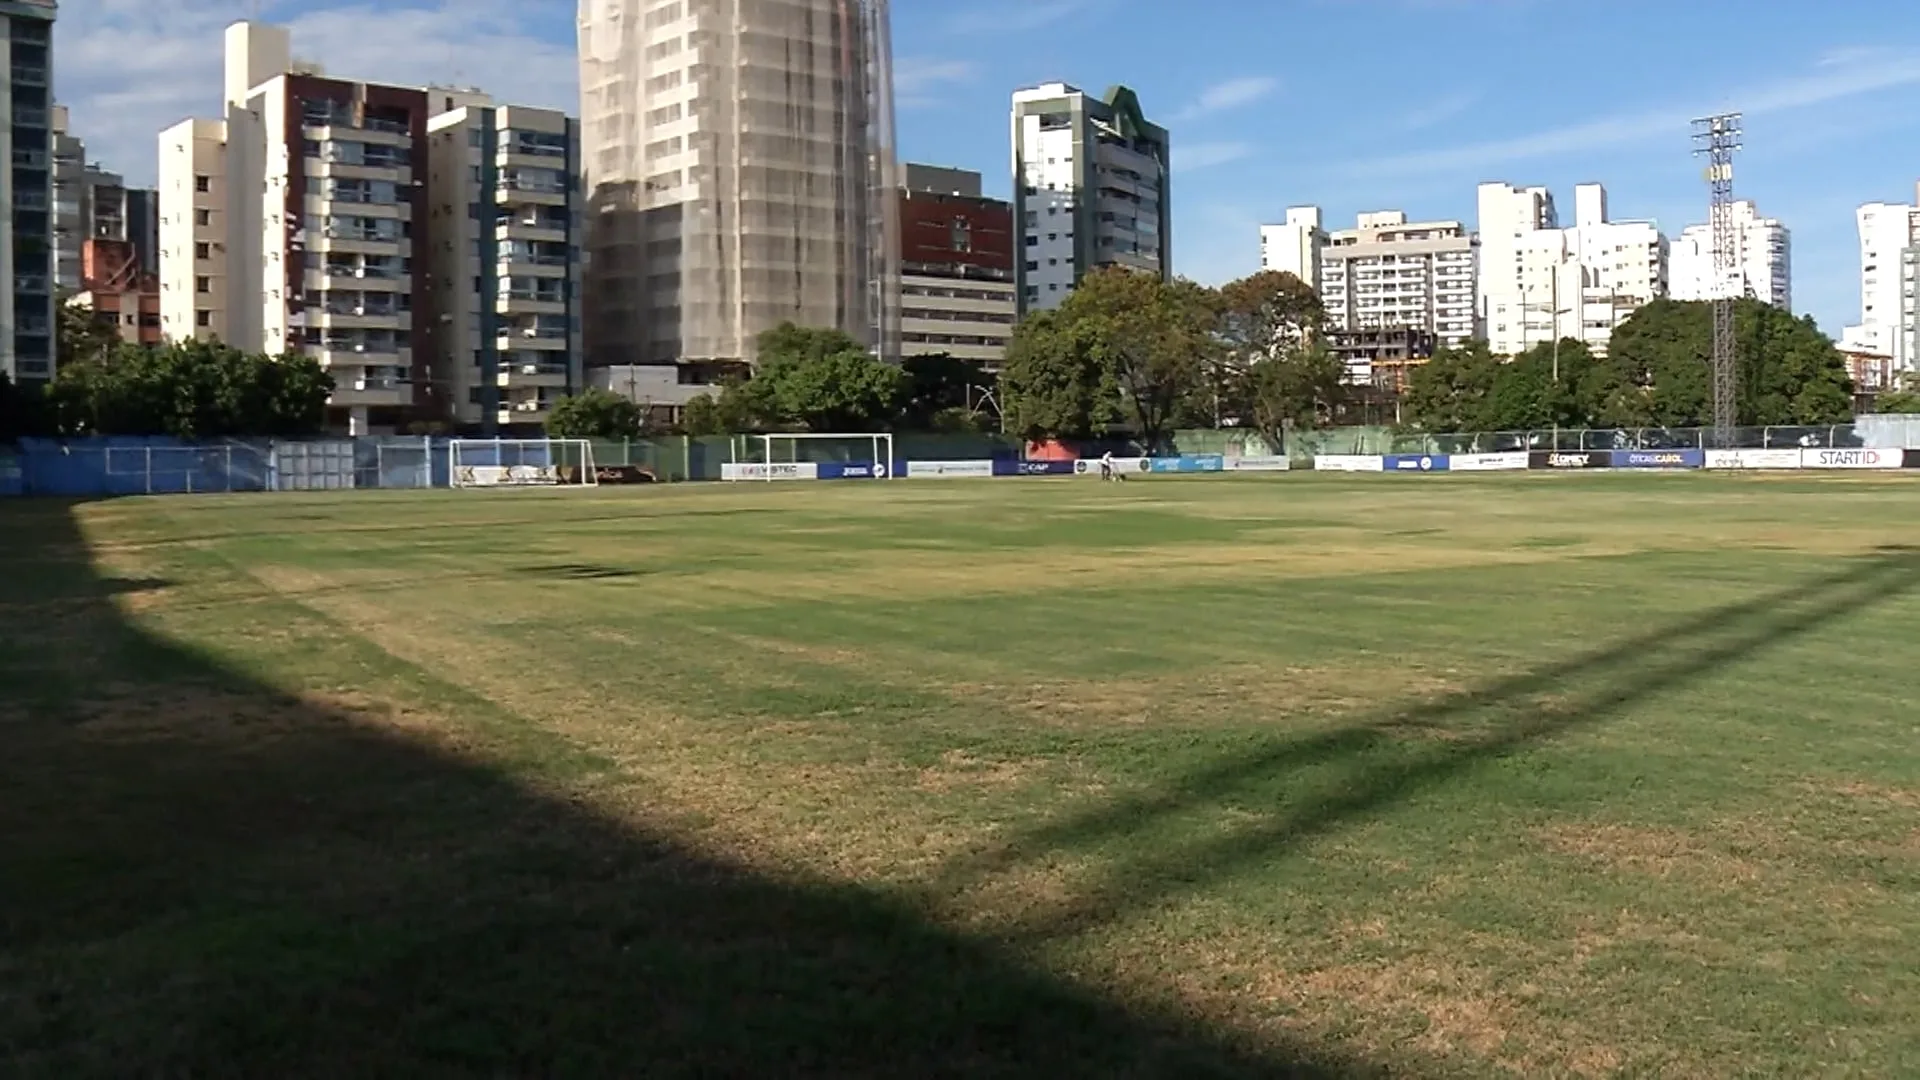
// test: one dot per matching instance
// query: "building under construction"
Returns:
(739, 164)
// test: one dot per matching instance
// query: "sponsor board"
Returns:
(1348, 463)
(1569, 459)
(1188, 463)
(1091, 466)
(1909, 460)
(1852, 458)
(1258, 464)
(853, 470)
(1414, 463)
(1659, 459)
(507, 475)
(1516, 459)
(1033, 468)
(1753, 459)
(621, 474)
(802, 470)
(951, 469)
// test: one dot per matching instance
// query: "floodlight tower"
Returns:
(1717, 138)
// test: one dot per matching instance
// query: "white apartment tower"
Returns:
(27, 324)
(1391, 274)
(505, 224)
(1889, 279)
(740, 173)
(1091, 188)
(1540, 282)
(1764, 257)
(1296, 246)
(291, 226)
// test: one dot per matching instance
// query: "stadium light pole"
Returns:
(1717, 138)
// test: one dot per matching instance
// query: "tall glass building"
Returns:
(739, 164)
(26, 199)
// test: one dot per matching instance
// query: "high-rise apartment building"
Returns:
(956, 267)
(1391, 274)
(1091, 188)
(91, 203)
(27, 323)
(119, 291)
(1889, 323)
(292, 225)
(1764, 260)
(1296, 246)
(506, 223)
(740, 173)
(1540, 282)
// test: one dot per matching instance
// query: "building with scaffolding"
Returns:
(738, 159)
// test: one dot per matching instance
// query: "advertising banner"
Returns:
(1516, 459)
(1852, 458)
(1753, 459)
(951, 469)
(1091, 466)
(507, 475)
(1569, 459)
(1188, 463)
(1659, 459)
(802, 470)
(1910, 460)
(1347, 463)
(1414, 463)
(852, 470)
(1258, 464)
(1033, 468)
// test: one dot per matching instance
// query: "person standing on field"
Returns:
(1106, 465)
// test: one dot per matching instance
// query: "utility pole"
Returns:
(1716, 138)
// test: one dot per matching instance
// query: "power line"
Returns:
(1717, 138)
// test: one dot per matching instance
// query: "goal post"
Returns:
(826, 455)
(494, 463)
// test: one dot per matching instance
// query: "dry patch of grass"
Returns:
(1655, 852)
(1878, 795)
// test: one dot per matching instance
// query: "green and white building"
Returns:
(1091, 188)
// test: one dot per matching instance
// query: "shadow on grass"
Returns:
(1404, 753)
(203, 876)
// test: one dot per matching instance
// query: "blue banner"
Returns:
(1659, 459)
(1190, 463)
(1415, 463)
(1003, 467)
(852, 470)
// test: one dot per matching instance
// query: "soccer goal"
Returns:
(520, 463)
(810, 455)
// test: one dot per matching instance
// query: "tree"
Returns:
(84, 336)
(1265, 312)
(1453, 390)
(1904, 398)
(1295, 388)
(937, 387)
(190, 390)
(1790, 373)
(1267, 371)
(1055, 382)
(595, 414)
(22, 411)
(1155, 337)
(819, 380)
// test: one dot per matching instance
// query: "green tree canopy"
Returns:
(595, 414)
(1055, 381)
(190, 390)
(821, 380)
(1454, 390)
(85, 336)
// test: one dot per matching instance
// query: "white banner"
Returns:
(1259, 464)
(1348, 463)
(1850, 459)
(1487, 462)
(508, 475)
(949, 468)
(803, 470)
(1091, 466)
(1753, 459)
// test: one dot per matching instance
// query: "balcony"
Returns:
(31, 284)
(29, 75)
(528, 192)
(29, 116)
(344, 317)
(346, 353)
(29, 158)
(341, 278)
(552, 232)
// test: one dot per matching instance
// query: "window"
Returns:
(202, 250)
(202, 284)
(203, 217)
(203, 318)
(202, 183)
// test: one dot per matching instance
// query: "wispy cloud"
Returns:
(1208, 155)
(916, 80)
(1231, 94)
(1013, 18)
(1440, 110)
(1828, 82)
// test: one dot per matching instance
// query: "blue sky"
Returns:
(1348, 104)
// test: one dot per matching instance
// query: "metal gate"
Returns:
(325, 465)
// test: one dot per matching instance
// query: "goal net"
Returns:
(520, 463)
(808, 455)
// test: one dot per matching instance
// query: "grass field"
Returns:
(1424, 776)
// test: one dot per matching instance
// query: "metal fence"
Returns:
(136, 466)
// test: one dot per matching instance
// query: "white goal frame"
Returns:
(519, 463)
(882, 459)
